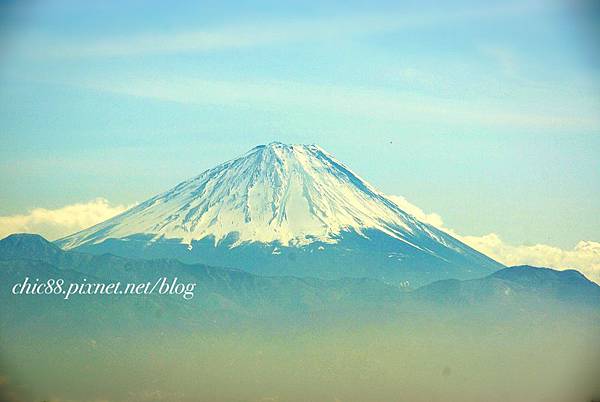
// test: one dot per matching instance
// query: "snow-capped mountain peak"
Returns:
(286, 210)
(289, 194)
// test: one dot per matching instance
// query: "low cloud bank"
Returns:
(56, 223)
(585, 256)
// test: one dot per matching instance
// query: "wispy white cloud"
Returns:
(286, 31)
(383, 104)
(55, 223)
(585, 256)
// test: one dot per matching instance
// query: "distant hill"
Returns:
(521, 285)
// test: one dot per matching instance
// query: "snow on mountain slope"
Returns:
(292, 195)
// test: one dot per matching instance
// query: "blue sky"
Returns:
(486, 113)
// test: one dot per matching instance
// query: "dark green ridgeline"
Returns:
(226, 296)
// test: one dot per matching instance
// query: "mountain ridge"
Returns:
(566, 286)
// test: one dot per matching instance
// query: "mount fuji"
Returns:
(286, 210)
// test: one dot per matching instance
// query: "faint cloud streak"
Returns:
(401, 106)
(270, 33)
